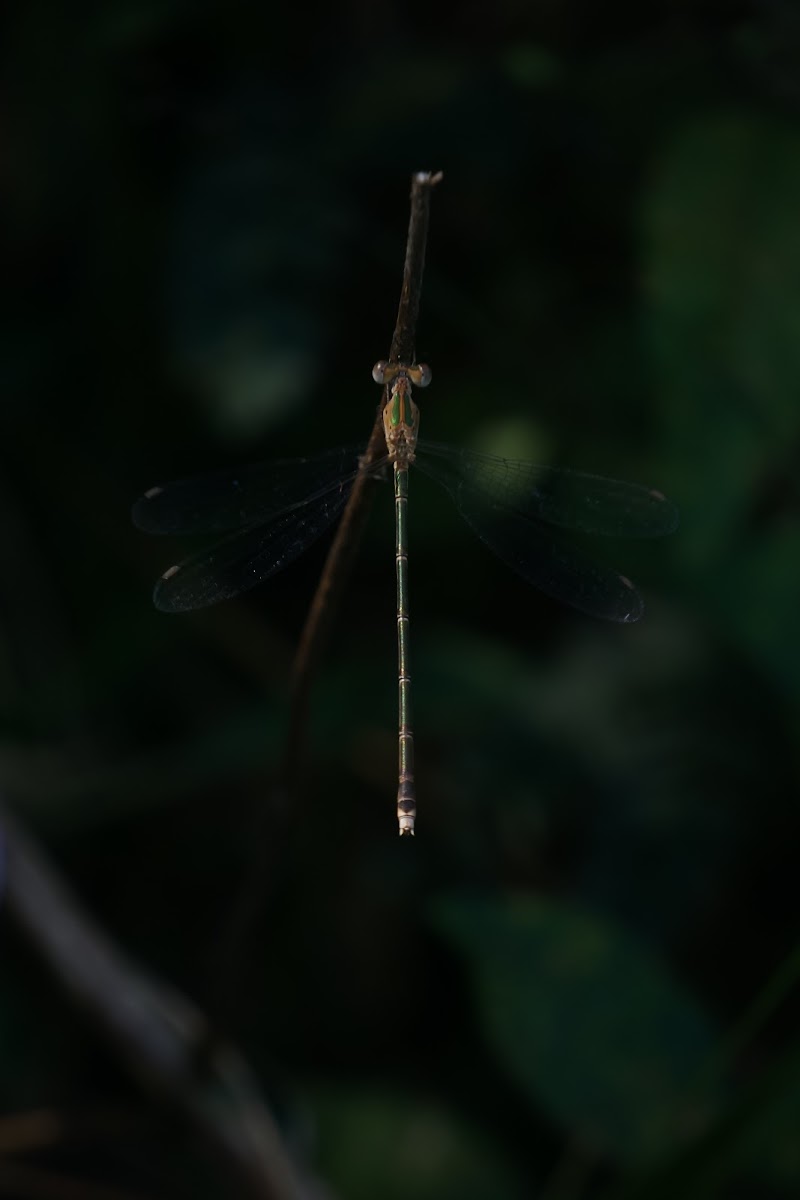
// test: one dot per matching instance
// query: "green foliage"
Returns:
(588, 1021)
(375, 1141)
(722, 270)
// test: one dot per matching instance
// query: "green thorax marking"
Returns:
(401, 413)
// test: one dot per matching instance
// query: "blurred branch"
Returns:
(762, 1007)
(164, 1041)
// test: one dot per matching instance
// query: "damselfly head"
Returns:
(385, 372)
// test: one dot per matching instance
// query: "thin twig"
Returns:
(343, 550)
(405, 330)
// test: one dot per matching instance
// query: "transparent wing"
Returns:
(565, 498)
(244, 496)
(559, 570)
(506, 502)
(249, 556)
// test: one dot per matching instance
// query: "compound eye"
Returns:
(425, 375)
(379, 371)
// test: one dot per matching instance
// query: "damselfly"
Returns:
(273, 511)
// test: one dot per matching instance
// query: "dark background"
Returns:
(577, 981)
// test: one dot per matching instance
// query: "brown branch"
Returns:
(405, 330)
(342, 553)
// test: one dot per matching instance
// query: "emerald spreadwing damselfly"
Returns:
(271, 512)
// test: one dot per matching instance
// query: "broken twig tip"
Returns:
(431, 178)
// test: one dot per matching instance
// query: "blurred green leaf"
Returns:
(722, 251)
(532, 66)
(776, 1153)
(381, 1143)
(587, 1021)
(256, 251)
(723, 264)
(752, 1136)
(759, 595)
(722, 269)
